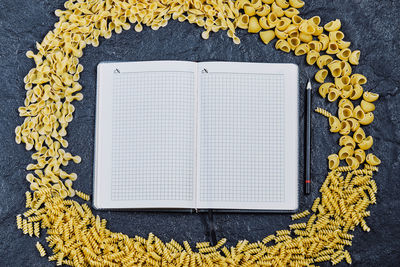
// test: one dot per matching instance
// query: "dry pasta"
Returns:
(53, 85)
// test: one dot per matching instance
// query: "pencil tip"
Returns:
(309, 85)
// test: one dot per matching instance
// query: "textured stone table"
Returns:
(371, 26)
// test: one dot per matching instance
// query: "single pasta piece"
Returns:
(353, 162)
(280, 34)
(324, 39)
(344, 54)
(373, 160)
(321, 75)
(254, 26)
(336, 68)
(263, 11)
(315, 45)
(358, 113)
(370, 97)
(333, 48)
(312, 57)
(355, 57)
(347, 141)
(333, 94)
(283, 24)
(333, 25)
(301, 50)
(282, 3)
(345, 128)
(366, 143)
(359, 154)
(283, 45)
(300, 215)
(294, 42)
(367, 106)
(296, 3)
(82, 195)
(290, 12)
(40, 249)
(345, 152)
(267, 36)
(357, 92)
(323, 112)
(19, 221)
(368, 119)
(334, 123)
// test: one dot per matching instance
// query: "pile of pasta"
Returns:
(76, 237)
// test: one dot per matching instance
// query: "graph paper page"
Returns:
(145, 135)
(247, 136)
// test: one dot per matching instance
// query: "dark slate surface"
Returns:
(372, 26)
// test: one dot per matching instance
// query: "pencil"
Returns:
(308, 140)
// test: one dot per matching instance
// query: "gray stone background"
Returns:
(372, 26)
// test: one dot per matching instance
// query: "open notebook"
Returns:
(186, 135)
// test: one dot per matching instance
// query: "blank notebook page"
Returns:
(243, 138)
(152, 137)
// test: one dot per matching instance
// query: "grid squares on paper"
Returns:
(242, 137)
(152, 136)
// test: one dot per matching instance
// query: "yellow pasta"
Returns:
(333, 94)
(302, 49)
(296, 3)
(368, 119)
(367, 106)
(300, 215)
(370, 97)
(346, 152)
(312, 57)
(355, 57)
(323, 112)
(333, 25)
(347, 141)
(254, 26)
(373, 160)
(267, 36)
(334, 124)
(366, 143)
(321, 75)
